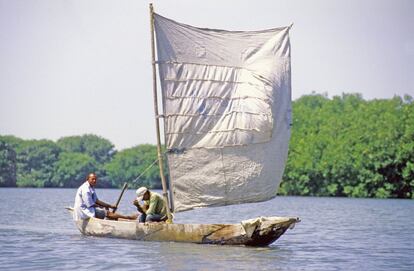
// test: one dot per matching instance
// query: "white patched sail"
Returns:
(227, 104)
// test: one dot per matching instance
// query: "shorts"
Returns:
(100, 213)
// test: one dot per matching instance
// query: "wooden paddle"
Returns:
(120, 196)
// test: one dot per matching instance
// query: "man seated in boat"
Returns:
(153, 209)
(87, 203)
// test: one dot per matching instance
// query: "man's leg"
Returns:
(116, 216)
(142, 218)
(154, 218)
(100, 213)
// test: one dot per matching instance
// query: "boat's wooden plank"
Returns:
(254, 232)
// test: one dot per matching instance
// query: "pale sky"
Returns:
(76, 67)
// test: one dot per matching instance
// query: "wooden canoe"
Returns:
(261, 231)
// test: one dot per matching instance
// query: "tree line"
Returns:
(340, 146)
(66, 162)
(347, 146)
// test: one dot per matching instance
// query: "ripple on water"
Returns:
(335, 234)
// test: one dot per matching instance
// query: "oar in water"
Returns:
(120, 196)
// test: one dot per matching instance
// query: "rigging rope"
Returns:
(150, 166)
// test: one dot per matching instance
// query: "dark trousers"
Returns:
(151, 218)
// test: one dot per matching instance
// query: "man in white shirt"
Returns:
(86, 201)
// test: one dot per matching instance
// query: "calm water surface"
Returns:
(37, 233)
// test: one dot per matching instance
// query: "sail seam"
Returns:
(199, 64)
(225, 145)
(265, 80)
(220, 131)
(212, 80)
(217, 97)
(218, 114)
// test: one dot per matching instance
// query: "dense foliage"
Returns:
(7, 165)
(344, 146)
(66, 163)
(347, 146)
(135, 162)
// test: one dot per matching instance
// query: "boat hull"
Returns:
(254, 232)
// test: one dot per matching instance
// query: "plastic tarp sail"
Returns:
(227, 104)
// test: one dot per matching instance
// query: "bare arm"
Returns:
(141, 208)
(104, 204)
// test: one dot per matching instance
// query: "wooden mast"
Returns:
(157, 116)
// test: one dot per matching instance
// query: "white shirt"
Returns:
(85, 199)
